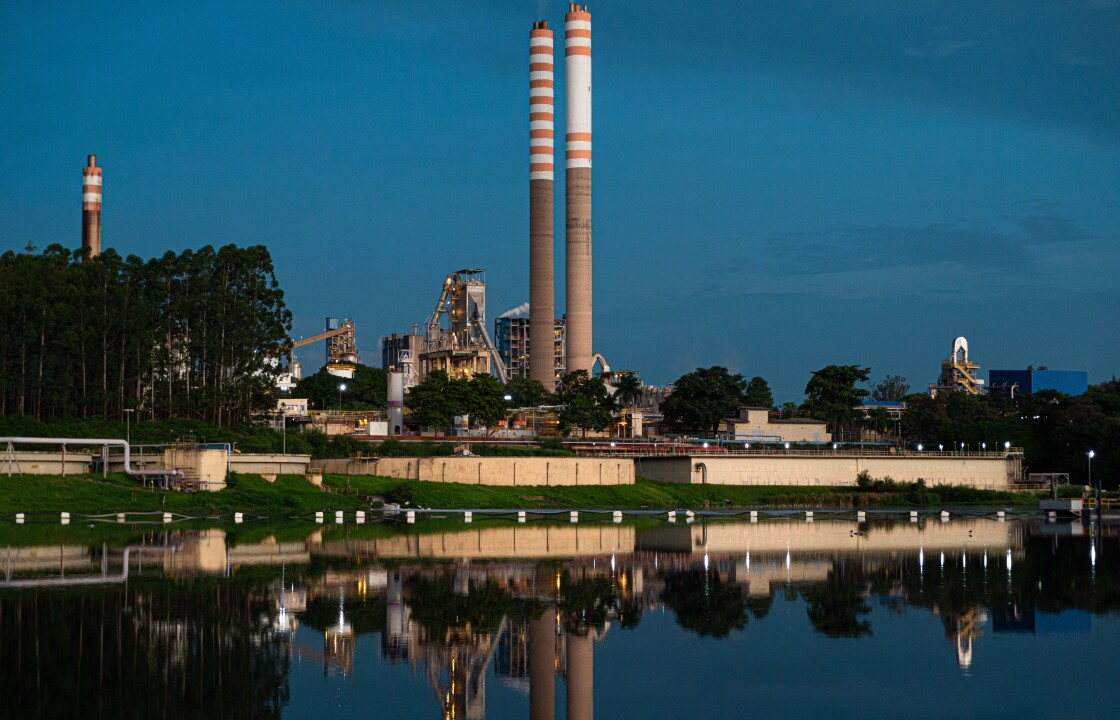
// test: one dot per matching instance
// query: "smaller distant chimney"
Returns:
(91, 207)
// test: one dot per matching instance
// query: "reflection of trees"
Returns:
(363, 615)
(172, 650)
(836, 605)
(759, 607)
(437, 608)
(585, 603)
(703, 603)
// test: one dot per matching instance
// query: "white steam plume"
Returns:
(520, 311)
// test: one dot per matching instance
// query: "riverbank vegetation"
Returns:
(291, 495)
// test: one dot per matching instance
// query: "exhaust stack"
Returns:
(577, 65)
(542, 301)
(91, 207)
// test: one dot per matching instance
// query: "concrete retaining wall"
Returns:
(507, 471)
(277, 463)
(991, 472)
(45, 463)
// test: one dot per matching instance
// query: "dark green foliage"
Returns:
(702, 398)
(223, 631)
(628, 389)
(437, 608)
(587, 403)
(837, 605)
(367, 390)
(758, 394)
(704, 603)
(188, 335)
(524, 392)
(552, 443)
(438, 399)
(1055, 431)
(832, 396)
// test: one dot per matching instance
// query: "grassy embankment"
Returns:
(291, 495)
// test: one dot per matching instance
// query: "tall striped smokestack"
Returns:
(577, 66)
(91, 207)
(542, 302)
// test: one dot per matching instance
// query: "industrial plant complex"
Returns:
(534, 343)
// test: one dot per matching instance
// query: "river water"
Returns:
(973, 616)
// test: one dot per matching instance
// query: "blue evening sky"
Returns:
(778, 185)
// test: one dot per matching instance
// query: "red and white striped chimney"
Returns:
(542, 301)
(91, 207)
(577, 66)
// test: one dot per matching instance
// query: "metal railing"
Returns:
(769, 451)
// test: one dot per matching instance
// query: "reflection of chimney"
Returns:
(91, 207)
(542, 301)
(581, 677)
(577, 186)
(542, 664)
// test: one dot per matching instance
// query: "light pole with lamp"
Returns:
(341, 389)
(1091, 456)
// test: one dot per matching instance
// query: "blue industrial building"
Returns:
(1026, 382)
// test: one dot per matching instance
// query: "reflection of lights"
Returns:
(921, 558)
(787, 558)
(964, 560)
(942, 559)
(1093, 554)
(1009, 562)
(557, 581)
(612, 563)
(985, 559)
(705, 562)
(748, 559)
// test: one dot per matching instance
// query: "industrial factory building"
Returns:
(397, 350)
(755, 425)
(958, 372)
(513, 338)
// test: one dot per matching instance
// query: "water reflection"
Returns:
(201, 623)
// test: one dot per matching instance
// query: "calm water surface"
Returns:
(971, 617)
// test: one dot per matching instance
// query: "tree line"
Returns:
(1055, 431)
(586, 402)
(192, 334)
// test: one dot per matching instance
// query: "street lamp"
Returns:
(1091, 456)
(341, 389)
(919, 447)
